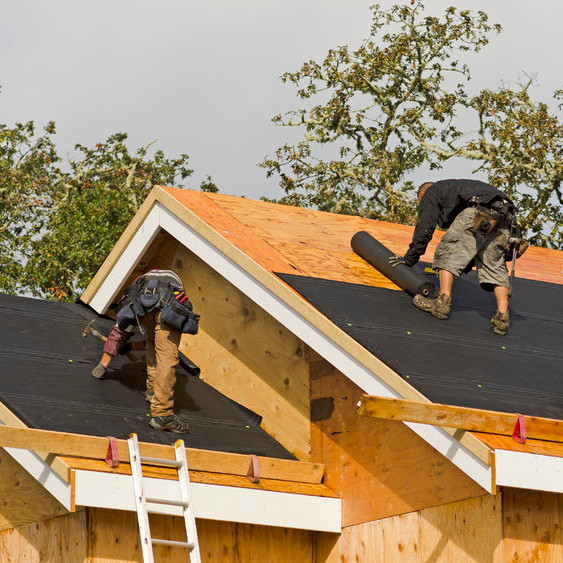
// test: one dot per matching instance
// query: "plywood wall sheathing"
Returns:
(244, 352)
(58, 540)
(114, 537)
(22, 498)
(532, 526)
(379, 468)
(461, 532)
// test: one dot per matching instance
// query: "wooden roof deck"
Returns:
(294, 240)
(300, 241)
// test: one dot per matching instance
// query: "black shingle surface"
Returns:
(45, 379)
(458, 361)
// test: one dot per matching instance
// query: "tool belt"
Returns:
(147, 294)
(496, 214)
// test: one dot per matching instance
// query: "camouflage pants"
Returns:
(460, 245)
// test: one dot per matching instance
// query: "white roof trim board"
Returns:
(213, 502)
(370, 383)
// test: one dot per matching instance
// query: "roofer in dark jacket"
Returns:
(477, 217)
(156, 302)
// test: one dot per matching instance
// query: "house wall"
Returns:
(63, 539)
(380, 468)
(97, 535)
(243, 351)
(22, 499)
(466, 531)
(532, 526)
(114, 536)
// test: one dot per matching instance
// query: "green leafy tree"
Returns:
(57, 226)
(377, 104)
(27, 169)
(518, 142)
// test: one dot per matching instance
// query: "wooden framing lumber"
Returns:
(478, 420)
(95, 447)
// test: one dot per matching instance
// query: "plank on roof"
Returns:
(459, 417)
(96, 447)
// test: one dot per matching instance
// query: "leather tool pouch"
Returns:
(486, 220)
(521, 245)
(180, 317)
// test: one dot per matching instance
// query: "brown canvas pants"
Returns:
(162, 359)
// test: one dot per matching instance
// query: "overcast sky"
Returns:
(203, 77)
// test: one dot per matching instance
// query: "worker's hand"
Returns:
(395, 260)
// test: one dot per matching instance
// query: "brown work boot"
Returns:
(500, 323)
(439, 307)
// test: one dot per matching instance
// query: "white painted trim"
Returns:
(131, 254)
(213, 502)
(529, 471)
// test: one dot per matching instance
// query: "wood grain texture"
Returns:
(467, 531)
(23, 499)
(541, 447)
(203, 460)
(380, 468)
(532, 526)
(205, 477)
(58, 540)
(243, 352)
(459, 417)
(114, 537)
(322, 231)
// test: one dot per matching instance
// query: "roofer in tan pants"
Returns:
(157, 302)
(162, 359)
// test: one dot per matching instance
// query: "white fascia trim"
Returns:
(129, 258)
(437, 437)
(529, 471)
(213, 502)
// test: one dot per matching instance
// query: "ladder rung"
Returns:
(188, 545)
(159, 461)
(167, 501)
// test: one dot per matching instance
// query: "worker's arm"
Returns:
(428, 211)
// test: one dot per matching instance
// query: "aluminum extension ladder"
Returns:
(141, 501)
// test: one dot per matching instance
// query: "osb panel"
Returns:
(114, 536)
(468, 531)
(532, 526)
(243, 351)
(380, 468)
(58, 540)
(317, 231)
(540, 447)
(22, 499)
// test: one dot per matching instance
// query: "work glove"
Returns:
(395, 260)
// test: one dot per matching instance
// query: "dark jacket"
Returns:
(440, 205)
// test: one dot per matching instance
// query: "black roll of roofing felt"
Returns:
(409, 279)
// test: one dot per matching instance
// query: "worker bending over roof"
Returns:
(479, 220)
(157, 303)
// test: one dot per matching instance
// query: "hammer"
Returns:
(96, 334)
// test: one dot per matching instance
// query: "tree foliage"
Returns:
(57, 225)
(519, 143)
(402, 86)
(401, 101)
